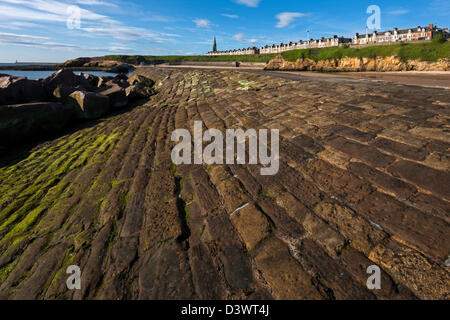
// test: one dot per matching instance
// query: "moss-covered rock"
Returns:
(28, 121)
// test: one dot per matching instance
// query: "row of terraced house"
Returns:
(396, 35)
(387, 37)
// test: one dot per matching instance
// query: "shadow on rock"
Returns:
(32, 111)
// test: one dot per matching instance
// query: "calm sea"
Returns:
(34, 75)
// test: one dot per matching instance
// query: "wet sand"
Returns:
(432, 79)
(440, 79)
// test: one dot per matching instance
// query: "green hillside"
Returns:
(432, 51)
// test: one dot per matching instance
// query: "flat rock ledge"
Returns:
(363, 181)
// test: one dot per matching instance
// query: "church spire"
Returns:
(215, 45)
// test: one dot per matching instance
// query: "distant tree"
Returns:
(439, 39)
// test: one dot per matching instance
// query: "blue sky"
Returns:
(37, 30)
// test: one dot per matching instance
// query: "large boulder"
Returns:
(23, 122)
(141, 80)
(116, 94)
(140, 87)
(138, 92)
(62, 93)
(65, 78)
(15, 90)
(88, 105)
(120, 82)
(121, 76)
(276, 63)
(103, 80)
(122, 68)
(93, 80)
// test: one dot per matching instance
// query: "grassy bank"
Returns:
(163, 59)
(431, 51)
(425, 51)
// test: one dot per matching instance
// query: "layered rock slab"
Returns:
(350, 193)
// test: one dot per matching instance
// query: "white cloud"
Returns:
(55, 12)
(122, 33)
(18, 25)
(238, 37)
(8, 13)
(231, 16)
(249, 3)
(286, 18)
(399, 12)
(158, 18)
(202, 23)
(120, 49)
(35, 41)
(45, 10)
(96, 3)
(11, 39)
(241, 38)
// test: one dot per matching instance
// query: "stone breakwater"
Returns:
(391, 63)
(97, 64)
(363, 180)
(79, 64)
(31, 109)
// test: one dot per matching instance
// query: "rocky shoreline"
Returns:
(79, 64)
(32, 109)
(363, 181)
(279, 63)
(52, 68)
(354, 64)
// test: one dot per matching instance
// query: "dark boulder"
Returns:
(103, 80)
(23, 122)
(62, 93)
(140, 87)
(122, 68)
(138, 92)
(120, 82)
(139, 79)
(116, 94)
(121, 76)
(88, 105)
(93, 80)
(15, 90)
(65, 78)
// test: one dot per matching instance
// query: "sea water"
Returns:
(42, 74)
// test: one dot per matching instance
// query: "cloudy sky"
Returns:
(57, 30)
